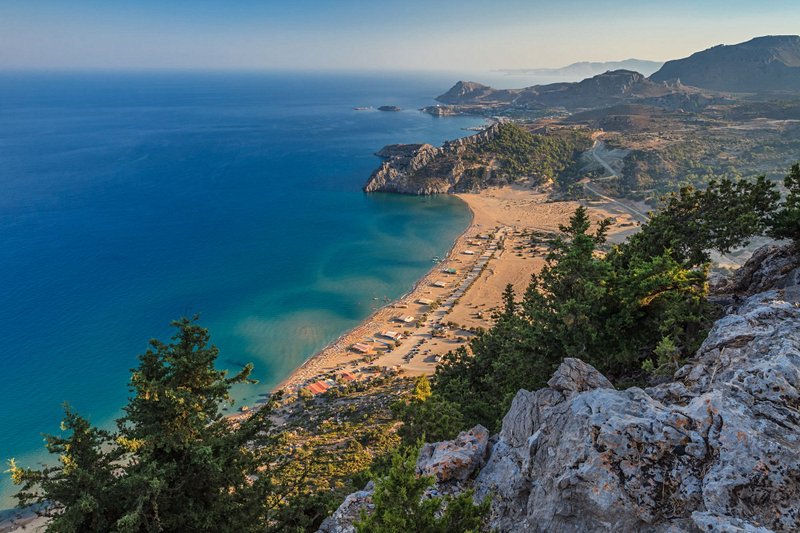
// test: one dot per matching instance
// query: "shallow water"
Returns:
(129, 200)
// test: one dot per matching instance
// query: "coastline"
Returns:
(335, 347)
(493, 251)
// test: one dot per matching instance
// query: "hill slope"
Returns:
(609, 88)
(769, 63)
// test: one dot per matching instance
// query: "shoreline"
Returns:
(334, 346)
(465, 288)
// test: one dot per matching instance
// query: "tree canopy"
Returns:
(625, 310)
(173, 464)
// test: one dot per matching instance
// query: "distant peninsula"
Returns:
(585, 69)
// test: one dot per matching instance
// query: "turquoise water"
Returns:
(128, 200)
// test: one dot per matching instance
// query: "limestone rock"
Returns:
(341, 521)
(716, 449)
(456, 459)
(773, 265)
(423, 169)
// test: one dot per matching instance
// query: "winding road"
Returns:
(638, 215)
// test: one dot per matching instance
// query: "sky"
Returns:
(445, 35)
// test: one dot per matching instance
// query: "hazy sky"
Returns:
(376, 34)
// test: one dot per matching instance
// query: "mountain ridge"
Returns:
(584, 69)
(767, 63)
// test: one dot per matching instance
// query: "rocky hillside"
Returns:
(762, 64)
(610, 88)
(500, 154)
(715, 448)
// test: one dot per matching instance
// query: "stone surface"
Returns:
(716, 449)
(341, 521)
(424, 169)
(457, 459)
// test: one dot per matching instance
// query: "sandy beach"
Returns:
(460, 293)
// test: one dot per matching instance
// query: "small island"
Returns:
(393, 108)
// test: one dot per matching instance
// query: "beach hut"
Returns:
(360, 347)
(468, 252)
(425, 301)
(440, 284)
(450, 271)
(395, 336)
(318, 387)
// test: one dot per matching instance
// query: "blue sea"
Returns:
(128, 200)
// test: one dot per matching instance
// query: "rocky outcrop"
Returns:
(450, 463)
(423, 169)
(715, 449)
(771, 266)
(454, 460)
(342, 520)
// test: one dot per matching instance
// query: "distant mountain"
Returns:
(769, 63)
(609, 88)
(587, 69)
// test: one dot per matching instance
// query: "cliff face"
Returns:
(715, 449)
(425, 169)
(762, 64)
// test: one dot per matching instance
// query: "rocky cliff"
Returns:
(717, 448)
(769, 63)
(425, 169)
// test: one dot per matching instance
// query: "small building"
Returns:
(440, 284)
(468, 252)
(348, 376)
(394, 335)
(425, 301)
(406, 319)
(361, 347)
(318, 387)
(450, 271)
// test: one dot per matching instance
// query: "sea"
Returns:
(130, 199)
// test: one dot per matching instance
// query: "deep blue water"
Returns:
(129, 200)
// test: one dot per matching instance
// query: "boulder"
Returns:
(716, 449)
(454, 460)
(342, 520)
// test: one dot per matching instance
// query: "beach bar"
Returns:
(394, 335)
(360, 347)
